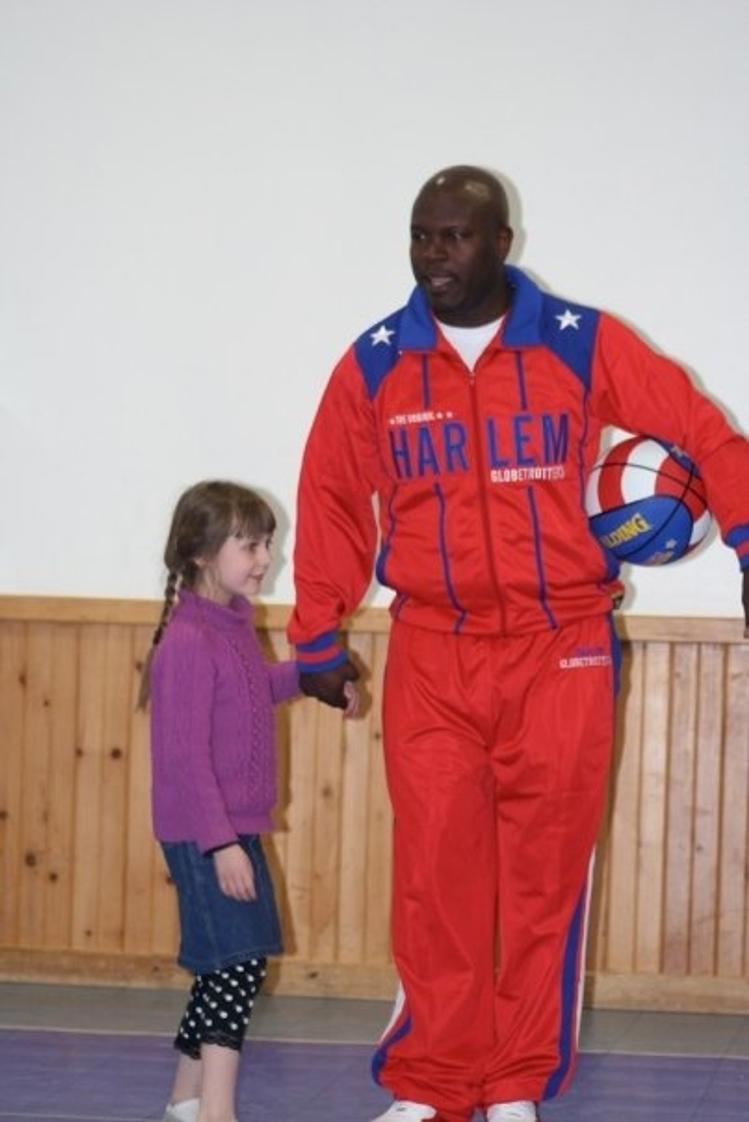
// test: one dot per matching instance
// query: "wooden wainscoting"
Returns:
(85, 895)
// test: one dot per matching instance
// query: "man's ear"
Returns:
(504, 241)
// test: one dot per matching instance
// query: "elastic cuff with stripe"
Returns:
(322, 653)
(738, 539)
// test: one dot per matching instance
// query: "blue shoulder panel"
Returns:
(378, 349)
(569, 330)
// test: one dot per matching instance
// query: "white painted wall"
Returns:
(203, 201)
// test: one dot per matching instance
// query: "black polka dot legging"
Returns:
(220, 1007)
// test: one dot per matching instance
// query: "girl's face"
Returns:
(237, 569)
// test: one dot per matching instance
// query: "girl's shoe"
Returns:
(403, 1111)
(521, 1111)
(186, 1111)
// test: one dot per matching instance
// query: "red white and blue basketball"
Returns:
(646, 502)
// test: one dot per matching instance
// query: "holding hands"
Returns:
(334, 687)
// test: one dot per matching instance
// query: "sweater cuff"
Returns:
(322, 653)
(284, 681)
(738, 539)
(217, 848)
(208, 840)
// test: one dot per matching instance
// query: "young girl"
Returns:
(214, 783)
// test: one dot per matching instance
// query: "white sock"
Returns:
(522, 1110)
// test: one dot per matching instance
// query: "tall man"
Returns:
(474, 415)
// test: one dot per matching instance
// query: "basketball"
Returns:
(646, 502)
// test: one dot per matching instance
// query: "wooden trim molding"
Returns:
(286, 976)
(300, 978)
(274, 617)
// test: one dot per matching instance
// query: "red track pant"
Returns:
(497, 755)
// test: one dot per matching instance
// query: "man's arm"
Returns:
(640, 390)
(336, 535)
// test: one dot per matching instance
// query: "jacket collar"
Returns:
(522, 327)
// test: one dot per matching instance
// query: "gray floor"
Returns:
(326, 1020)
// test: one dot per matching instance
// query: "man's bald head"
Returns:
(460, 238)
(473, 184)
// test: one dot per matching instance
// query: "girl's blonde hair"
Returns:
(204, 517)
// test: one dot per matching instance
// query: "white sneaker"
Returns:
(403, 1111)
(186, 1111)
(520, 1111)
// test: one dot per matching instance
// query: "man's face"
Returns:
(457, 253)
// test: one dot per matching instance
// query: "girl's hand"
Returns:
(351, 694)
(235, 873)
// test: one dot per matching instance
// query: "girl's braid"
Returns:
(170, 593)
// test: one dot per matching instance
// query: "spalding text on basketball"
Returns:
(632, 528)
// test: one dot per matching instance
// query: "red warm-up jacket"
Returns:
(480, 477)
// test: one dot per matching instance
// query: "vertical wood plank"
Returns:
(113, 795)
(734, 859)
(13, 687)
(707, 811)
(680, 802)
(36, 792)
(653, 809)
(61, 802)
(89, 752)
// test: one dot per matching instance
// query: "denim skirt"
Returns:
(215, 930)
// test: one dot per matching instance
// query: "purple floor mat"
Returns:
(49, 1076)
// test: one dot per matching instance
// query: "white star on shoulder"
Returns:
(381, 335)
(568, 319)
(671, 543)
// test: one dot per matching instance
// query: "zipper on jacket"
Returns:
(484, 498)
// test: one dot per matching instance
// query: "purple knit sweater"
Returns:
(212, 750)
